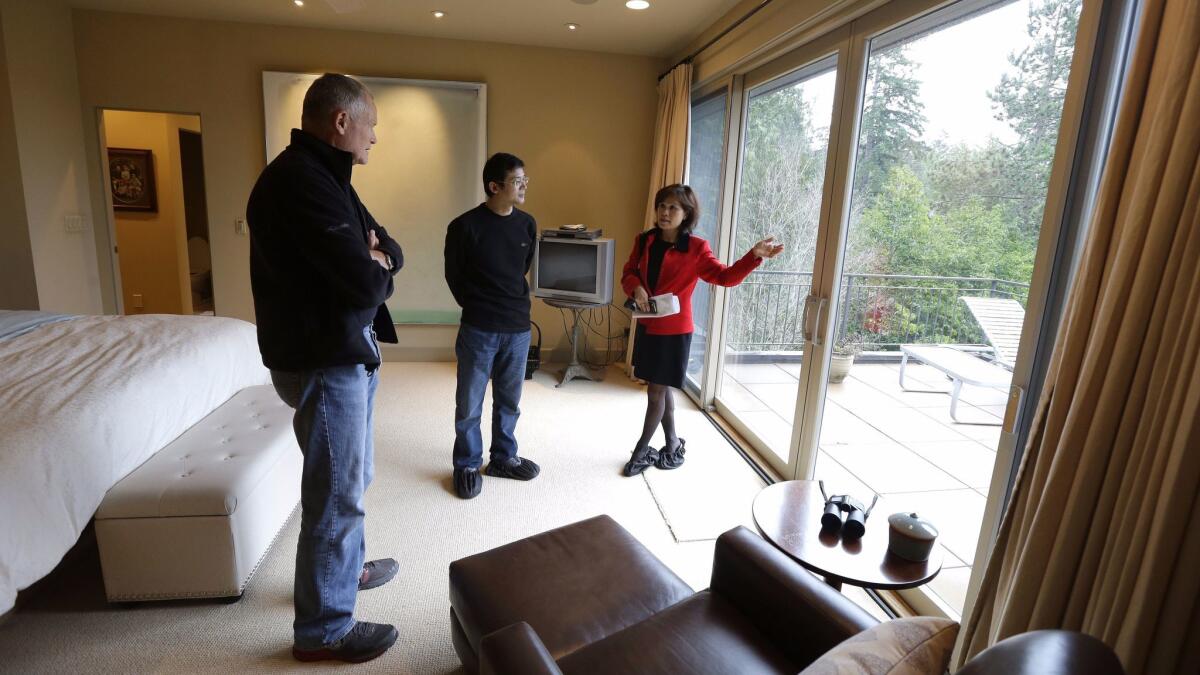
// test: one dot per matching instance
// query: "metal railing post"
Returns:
(843, 308)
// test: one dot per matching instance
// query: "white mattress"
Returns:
(84, 402)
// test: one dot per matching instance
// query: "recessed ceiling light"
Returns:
(299, 3)
(437, 13)
(637, 4)
(572, 26)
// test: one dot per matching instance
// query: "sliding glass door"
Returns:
(781, 191)
(906, 161)
(957, 128)
(706, 157)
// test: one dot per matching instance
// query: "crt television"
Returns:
(578, 270)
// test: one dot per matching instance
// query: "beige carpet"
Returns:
(581, 434)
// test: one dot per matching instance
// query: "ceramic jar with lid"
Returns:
(910, 537)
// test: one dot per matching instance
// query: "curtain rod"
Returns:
(735, 24)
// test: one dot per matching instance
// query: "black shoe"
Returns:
(364, 642)
(377, 573)
(639, 461)
(467, 483)
(517, 468)
(671, 459)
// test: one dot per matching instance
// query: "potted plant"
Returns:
(845, 349)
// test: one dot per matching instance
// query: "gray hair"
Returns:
(332, 92)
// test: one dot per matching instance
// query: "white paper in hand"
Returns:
(664, 305)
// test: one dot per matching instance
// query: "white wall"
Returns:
(582, 121)
(40, 57)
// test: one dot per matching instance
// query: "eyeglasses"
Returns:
(520, 181)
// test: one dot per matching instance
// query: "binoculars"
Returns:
(855, 524)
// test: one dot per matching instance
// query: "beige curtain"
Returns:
(671, 128)
(1102, 534)
(669, 161)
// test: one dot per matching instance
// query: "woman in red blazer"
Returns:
(669, 259)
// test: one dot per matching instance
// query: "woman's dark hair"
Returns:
(687, 199)
(497, 168)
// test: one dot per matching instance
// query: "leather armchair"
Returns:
(517, 649)
(1045, 652)
(762, 613)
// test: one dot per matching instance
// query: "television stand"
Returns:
(576, 368)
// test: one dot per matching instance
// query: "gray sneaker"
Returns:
(364, 642)
(377, 573)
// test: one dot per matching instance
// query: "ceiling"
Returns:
(663, 30)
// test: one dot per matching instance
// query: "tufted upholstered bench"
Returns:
(195, 519)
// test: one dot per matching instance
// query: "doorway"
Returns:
(153, 168)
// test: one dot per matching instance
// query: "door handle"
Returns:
(1012, 412)
(812, 319)
(818, 336)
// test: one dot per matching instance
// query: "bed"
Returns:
(84, 401)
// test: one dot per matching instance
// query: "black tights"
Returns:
(660, 408)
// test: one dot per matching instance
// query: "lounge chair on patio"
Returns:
(961, 367)
(1001, 320)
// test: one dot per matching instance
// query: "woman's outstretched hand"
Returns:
(641, 299)
(767, 248)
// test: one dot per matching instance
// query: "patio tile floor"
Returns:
(876, 437)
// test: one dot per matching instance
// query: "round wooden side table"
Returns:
(788, 515)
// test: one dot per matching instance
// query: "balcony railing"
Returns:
(887, 310)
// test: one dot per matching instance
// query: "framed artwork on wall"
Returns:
(131, 180)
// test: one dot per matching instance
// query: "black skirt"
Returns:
(661, 359)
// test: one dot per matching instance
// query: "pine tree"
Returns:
(893, 121)
(1030, 100)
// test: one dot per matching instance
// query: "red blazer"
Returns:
(688, 261)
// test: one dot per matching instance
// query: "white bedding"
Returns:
(84, 402)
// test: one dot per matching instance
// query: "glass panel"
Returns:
(959, 122)
(704, 175)
(786, 143)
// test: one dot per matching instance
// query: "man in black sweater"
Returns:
(488, 253)
(321, 269)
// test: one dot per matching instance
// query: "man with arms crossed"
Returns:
(488, 253)
(320, 270)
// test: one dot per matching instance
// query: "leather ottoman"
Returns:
(574, 585)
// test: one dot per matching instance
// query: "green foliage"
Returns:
(970, 239)
(782, 174)
(851, 344)
(893, 120)
(919, 209)
(1030, 99)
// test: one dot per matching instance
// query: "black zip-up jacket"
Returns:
(316, 287)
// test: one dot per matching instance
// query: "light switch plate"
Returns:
(239, 225)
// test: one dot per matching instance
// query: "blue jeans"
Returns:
(482, 356)
(333, 427)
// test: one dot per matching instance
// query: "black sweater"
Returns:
(315, 284)
(487, 258)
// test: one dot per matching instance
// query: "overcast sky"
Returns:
(957, 66)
